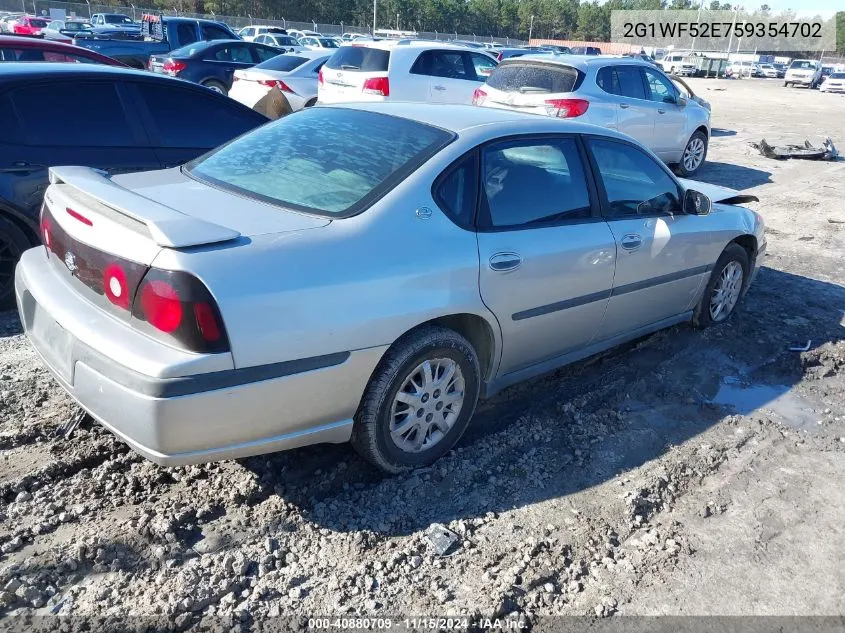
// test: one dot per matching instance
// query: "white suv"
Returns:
(803, 72)
(404, 70)
(620, 93)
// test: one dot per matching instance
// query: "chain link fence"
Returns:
(85, 10)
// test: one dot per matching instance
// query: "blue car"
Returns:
(212, 64)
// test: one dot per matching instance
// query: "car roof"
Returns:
(460, 118)
(581, 62)
(390, 45)
(49, 70)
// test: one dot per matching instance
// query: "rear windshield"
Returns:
(38, 23)
(359, 58)
(283, 63)
(526, 76)
(190, 50)
(328, 161)
(327, 43)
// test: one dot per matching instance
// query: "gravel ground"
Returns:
(689, 473)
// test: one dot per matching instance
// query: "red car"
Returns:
(23, 49)
(29, 25)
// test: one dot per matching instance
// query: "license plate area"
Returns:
(53, 341)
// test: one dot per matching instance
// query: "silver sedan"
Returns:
(366, 273)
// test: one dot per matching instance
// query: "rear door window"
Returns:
(528, 76)
(186, 32)
(359, 58)
(193, 118)
(264, 53)
(212, 32)
(530, 182)
(630, 82)
(92, 115)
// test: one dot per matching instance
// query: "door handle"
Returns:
(661, 111)
(631, 242)
(504, 262)
(441, 88)
(624, 106)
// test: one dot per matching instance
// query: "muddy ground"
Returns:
(690, 473)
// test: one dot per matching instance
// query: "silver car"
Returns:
(366, 273)
(623, 94)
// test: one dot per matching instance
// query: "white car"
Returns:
(404, 70)
(803, 72)
(834, 83)
(249, 33)
(620, 93)
(294, 74)
(769, 71)
(319, 43)
(284, 43)
(674, 64)
(300, 34)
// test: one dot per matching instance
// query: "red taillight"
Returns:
(377, 86)
(566, 108)
(478, 96)
(177, 307)
(207, 322)
(161, 306)
(173, 67)
(78, 216)
(149, 64)
(46, 228)
(499, 57)
(320, 77)
(115, 286)
(274, 83)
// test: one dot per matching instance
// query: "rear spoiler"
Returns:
(167, 226)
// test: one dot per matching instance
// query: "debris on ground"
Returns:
(807, 151)
(442, 538)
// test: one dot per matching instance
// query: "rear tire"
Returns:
(727, 285)
(695, 152)
(216, 86)
(13, 243)
(424, 391)
(786, 84)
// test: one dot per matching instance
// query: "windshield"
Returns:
(329, 161)
(803, 65)
(359, 58)
(117, 19)
(327, 43)
(77, 26)
(838, 76)
(282, 63)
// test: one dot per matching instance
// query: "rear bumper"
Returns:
(292, 405)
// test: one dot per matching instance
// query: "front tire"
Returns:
(419, 400)
(694, 154)
(726, 286)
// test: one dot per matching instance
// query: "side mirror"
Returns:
(682, 100)
(696, 203)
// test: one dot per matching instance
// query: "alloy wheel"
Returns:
(427, 405)
(693, 154)
(726, 291)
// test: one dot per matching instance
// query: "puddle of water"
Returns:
(777, 399)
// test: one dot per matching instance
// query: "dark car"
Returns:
(114, 119)
(585, 50)
(507, 53)
(212, 64)
(159, 35)
(24, 49)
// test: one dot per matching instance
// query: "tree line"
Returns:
(550, 19)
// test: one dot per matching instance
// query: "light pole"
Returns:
(375, 7)
(397, 21)
(88, 2)
(530, 29)
(697, 20)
